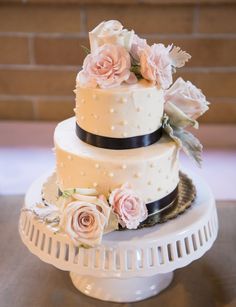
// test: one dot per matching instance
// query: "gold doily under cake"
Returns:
(186, 196)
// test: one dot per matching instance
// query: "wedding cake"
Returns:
(118, 158)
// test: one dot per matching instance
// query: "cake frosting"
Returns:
(123, 111)
(152, 170)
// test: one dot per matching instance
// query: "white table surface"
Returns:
(26, 153)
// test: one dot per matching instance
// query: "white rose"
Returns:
(184, 103)
(85, 219)
(110, 32)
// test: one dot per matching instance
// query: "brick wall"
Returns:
(40, 51)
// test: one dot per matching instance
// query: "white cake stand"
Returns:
(129, 265)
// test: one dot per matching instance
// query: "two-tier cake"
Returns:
(118, 158)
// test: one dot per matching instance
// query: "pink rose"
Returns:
(108, 66)
(138, 45)
(156, 65)
(128, 206)
(84, 220)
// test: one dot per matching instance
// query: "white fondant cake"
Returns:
(152, 170)
(123, 111)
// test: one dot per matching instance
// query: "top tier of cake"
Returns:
(120, 112)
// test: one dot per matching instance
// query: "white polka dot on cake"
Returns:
(137, 175)
(111, 174)
(97, 165)
(69, 157)
(124, 99)
(95, 184)
(112, 128)
(124, 122)
(123, 166)
(112, 110)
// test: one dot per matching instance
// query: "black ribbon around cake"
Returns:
(162, 203)
(118, 143)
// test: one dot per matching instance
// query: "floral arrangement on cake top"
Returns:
(118, 55)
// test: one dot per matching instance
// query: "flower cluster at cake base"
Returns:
(85, 216)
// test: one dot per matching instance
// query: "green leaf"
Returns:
(86, 49)
(136, 70)
(68, 193)
(184, 139)
(112, 223)
(190, 144)
(178, 118)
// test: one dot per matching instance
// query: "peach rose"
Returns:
(156, 65)
(107, 67)
(128, 206)
(84, 220)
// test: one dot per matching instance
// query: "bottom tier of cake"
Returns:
(153, 171)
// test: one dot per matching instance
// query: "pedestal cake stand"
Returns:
(129, 265)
